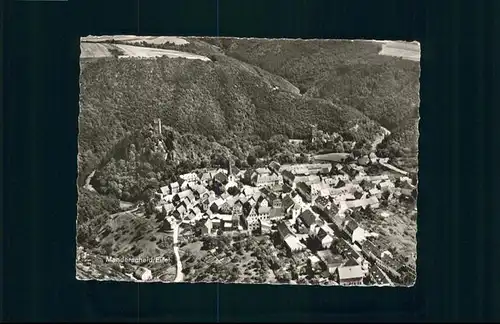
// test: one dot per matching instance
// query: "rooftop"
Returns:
(276, 212)
(350, 272)
(329, 258)
(308, 217)
(284, 230)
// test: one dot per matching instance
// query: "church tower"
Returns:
(158, 126)
(230, 175)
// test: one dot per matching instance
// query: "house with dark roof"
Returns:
(284, 231)
(350, 274)
(216, 204)
(330, 261)
(221, 178)
(288, 177)
(235, 170)
(168, 224)
(193, 212)
(183, 184)
(287, 203)
(180, 211)
(248, 205)
(370, 250)
(304, 190)
(378, 277)
(287, 188)
(216, 223)
(306, 218)
(205, 204)
(238, 207)
(274, 166)
(225, 208)
(350, 225)
(322, 203)
(347, 251)
(325, 235)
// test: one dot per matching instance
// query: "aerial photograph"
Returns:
(248, 161)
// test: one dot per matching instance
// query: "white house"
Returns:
(294, 245)
(189, 177)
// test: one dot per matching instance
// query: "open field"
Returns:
(91, 50)
(331, 157)
(137, 51)
(408, 51)
(98, 50)
(157, 40)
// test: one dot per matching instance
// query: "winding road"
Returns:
(87, 185)
(380, 138)
(376, 142)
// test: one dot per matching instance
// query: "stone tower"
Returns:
(230, 175)
(158, 125)
(314, 131)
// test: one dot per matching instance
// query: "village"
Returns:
(314, 211)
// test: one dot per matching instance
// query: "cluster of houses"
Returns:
(302, 203)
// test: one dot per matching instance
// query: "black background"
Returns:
(458, 218)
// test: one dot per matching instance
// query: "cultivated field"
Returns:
(137, 51)
(157, 40)
(408, 51)
(97, 50)
(90, 50)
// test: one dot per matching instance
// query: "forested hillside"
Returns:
(215, 98)
(384, 88)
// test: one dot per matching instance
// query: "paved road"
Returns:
(179, 277)
(393, 168)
